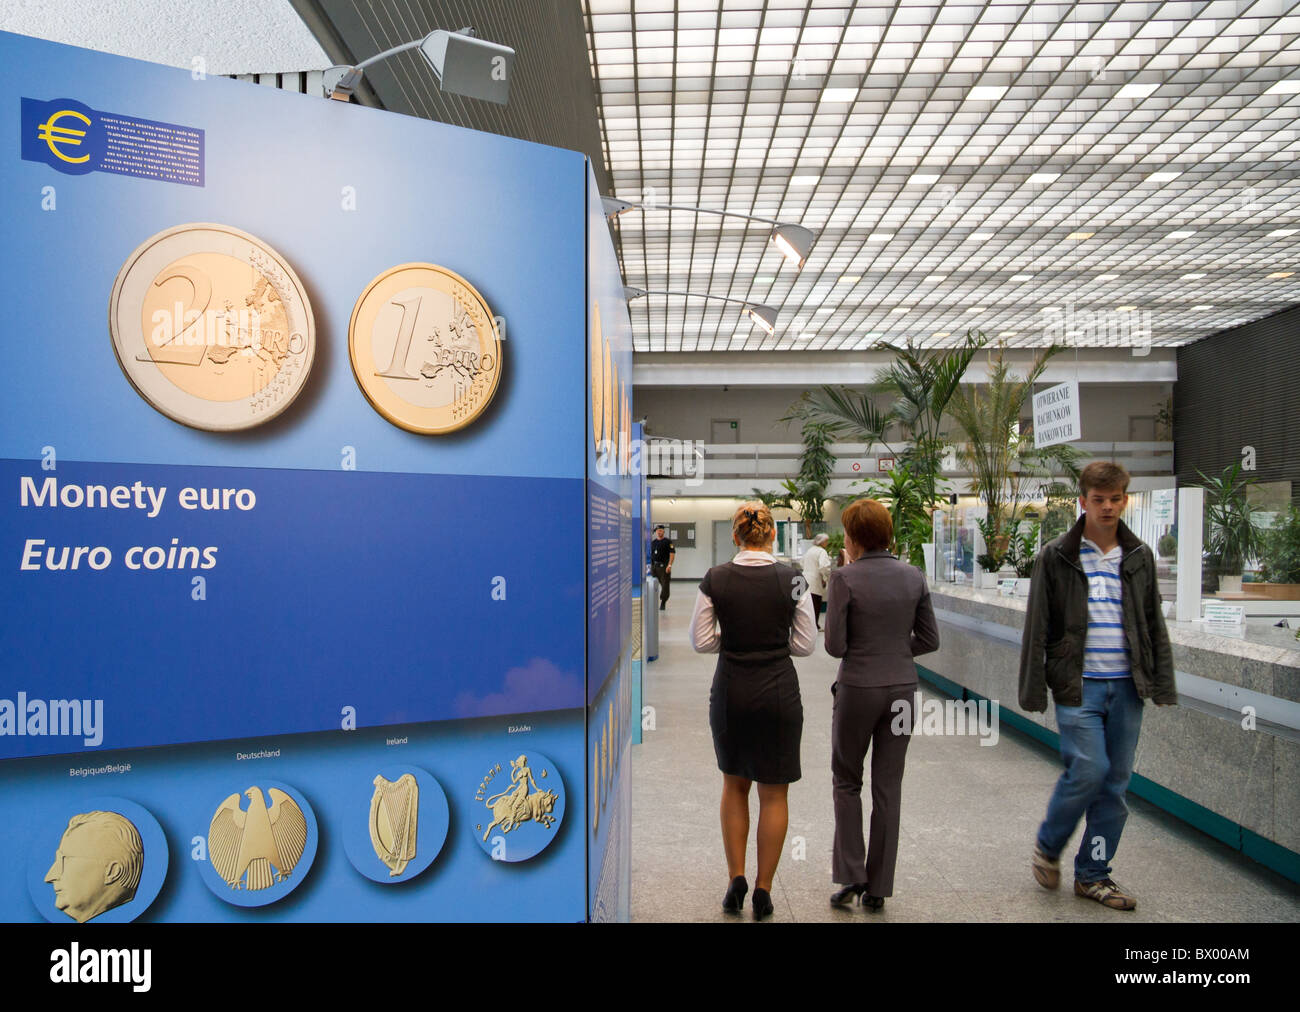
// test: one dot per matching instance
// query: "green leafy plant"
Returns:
(995, 545)
(835, 545)
(1232, 532)
(1279, 549)
(806, 492)
(1165, 418)
(902, 493)
(921, 384)
(1025, 550)
(1167, 546)
(1000, 457)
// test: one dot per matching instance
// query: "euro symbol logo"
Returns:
(54, 135)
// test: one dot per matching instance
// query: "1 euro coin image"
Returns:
(212, 327)
(425, 348)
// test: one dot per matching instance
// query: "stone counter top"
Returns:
(1266, 660)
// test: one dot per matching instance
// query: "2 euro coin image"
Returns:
(212, 327)
(425, 348)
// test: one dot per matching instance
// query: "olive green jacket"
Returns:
(1056, 624)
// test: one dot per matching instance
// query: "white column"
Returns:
(1191, 502)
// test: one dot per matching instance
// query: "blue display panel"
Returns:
(316, 580)
(610, 491)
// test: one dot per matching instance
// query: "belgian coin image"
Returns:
(425, 348)
(519, 806)
(104, 862)
(212, 327)
(597, 375)
(258, 852)
(396, 822)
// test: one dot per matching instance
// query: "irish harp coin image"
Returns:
(260, 844)
(212, 327)
(425, 348)
(104, 862)
(396, 823)
(519, 805)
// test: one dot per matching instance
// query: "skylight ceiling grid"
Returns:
(860, 124)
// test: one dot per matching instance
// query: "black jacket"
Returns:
(1056, 624)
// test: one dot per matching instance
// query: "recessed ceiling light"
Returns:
(986, 93)
(1044, 177)
(922, 178)
(825, 309)
(1136, 90)
(807, 334)
(1021, 277)
(1181, 234)
(1282, 233)
(941, 333)
(839, 94)
(1279, 275)
(1198, 309)
(899, 309)
(805, 180)
(1007, 333)
(1107, 277)
(1162, 177)
(880, 236)
(849, 279)
(1192, 277)
(980, 236)
(977, 309)
(1051, 309)
(1081, 235)
(932, 278)
(1126, 309)
(765, 279)
(1287, 86)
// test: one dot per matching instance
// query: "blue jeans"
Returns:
(1098, 740)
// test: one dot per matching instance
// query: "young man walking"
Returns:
(662, 554)
(1095, 635)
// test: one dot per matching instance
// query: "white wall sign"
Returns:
(1056, 415)
(1162, 505)
(1220, 615)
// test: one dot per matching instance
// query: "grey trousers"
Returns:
(866, 718)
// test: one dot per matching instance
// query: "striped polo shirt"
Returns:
(1105, 650)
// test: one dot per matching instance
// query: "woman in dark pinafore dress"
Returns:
(755, 711)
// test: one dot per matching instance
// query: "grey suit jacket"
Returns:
(878, 617)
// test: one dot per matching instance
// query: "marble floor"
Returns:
(970, 812)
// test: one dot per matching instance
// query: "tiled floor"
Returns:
(970, 812)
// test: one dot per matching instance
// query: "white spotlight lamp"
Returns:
(463, 64)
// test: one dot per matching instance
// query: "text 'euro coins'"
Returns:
(425, 348)
(212, 327)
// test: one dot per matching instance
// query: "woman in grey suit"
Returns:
(878, 617)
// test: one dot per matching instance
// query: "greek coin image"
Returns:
(425, 348)
(597, 375)
(212, 327)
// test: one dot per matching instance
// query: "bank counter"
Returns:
(1226, 759)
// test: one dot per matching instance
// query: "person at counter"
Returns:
(1095, 635)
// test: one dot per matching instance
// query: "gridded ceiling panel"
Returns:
(1090, 174)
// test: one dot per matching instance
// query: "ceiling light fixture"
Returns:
(1192, 277)
(1182, 234)
(1279, 275)
(794, 241)
(1162, 177)
(1081, 235)
(922, 178)
(762, 316)
(839, 95)
(1282, 233)
(986, 93)
(462, 63)
(1136, 90)
(1287, 86)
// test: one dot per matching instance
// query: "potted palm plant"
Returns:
(1232, 533)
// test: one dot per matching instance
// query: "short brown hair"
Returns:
(869, 524)
(753, 524)
(1102, 474)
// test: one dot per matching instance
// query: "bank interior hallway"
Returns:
(969, 817)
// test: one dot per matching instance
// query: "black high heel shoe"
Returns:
(762, 904)
(874, 903)
(734, 901)
(850, 894)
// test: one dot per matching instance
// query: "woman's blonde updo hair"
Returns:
(753, 524)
